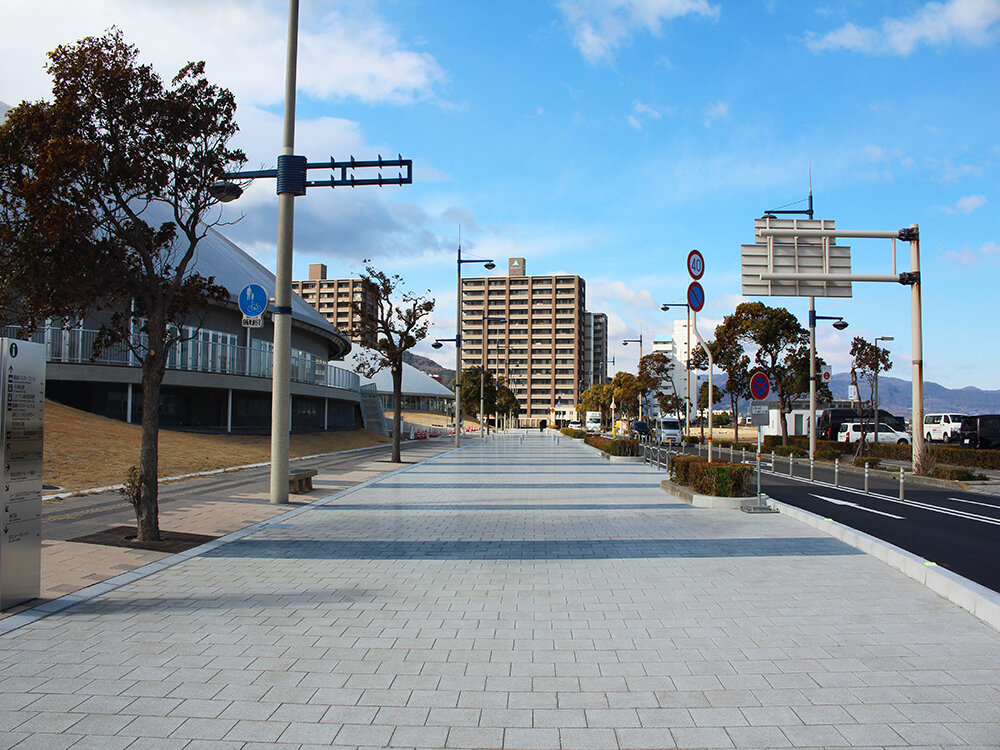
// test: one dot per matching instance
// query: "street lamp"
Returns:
(489, 265)
(840, 324)
(687, 362)
(482, 369)
(877, 418)
(291, 182)
(457, 341)
(626, 342)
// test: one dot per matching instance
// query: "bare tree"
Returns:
(398, 322)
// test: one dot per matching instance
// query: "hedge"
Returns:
(957, 473)
(613, 447)
(576, 434)
(717, 479)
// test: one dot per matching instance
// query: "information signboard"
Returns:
(22, 408)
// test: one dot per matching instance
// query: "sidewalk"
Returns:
(518, 593)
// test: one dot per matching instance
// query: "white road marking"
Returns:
(835, 501)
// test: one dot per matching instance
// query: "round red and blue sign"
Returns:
(760, 385)
(696, 296)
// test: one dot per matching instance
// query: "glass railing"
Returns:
(75, 346)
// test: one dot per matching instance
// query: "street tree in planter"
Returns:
(729, 356)
(656, 375)
(782, 352)
(397, 322)
(104, 197)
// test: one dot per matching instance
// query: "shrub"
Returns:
(718, 479)
(575, 434)
(791, 450)
(957, 473)
(692, 440)
(613, 447)
(860, 461)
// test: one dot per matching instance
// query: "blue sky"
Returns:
(607, 138)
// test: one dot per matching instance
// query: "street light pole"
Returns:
(482, 369)
(291, 180)
(489, 265)
(840, 325)
(626, 342)
(281, 407)
(687, 364)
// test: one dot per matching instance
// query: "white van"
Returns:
(850, 432)
(670, 431)
(942, 427)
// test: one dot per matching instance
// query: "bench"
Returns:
(300, 481)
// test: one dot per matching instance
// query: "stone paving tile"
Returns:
(511, 594)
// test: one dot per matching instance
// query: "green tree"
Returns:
(869, 361)
(398, 321)
(104, 197)
(598, 398)
(656, 375)
(507, 404)
(473, 378)
(729, 356)
(625, 387)
(780, 340)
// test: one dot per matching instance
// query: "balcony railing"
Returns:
(75, 346)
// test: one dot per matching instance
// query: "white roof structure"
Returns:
(415, 382)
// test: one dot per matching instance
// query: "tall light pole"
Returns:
(482, 371)
(840, 324)
(489, 265)
(291, 182)
(687, 364)
(626, 342)
(877, 418)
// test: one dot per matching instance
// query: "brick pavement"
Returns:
(519, 593)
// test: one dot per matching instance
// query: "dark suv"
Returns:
(981, 432)
(640, 430)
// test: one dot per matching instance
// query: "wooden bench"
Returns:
(300, 481)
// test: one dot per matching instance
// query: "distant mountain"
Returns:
(429, 366)
(895, 395)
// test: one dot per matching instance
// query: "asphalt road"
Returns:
(955, 529)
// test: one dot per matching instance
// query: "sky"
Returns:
(607, 139)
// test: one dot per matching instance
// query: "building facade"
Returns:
(595, 349)
(218, 376)
(530, 330)
(335, 298)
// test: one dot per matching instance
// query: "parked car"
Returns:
(850, 432)
(982, 431)
(575, 426)
(829, 421)
(942, 427)
(639, 429)
(670, 431)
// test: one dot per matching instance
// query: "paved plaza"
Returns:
(521, 592)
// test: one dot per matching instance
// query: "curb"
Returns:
(978, 600)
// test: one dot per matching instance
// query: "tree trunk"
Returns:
(397, 413)
(147, 515)
(735, 418)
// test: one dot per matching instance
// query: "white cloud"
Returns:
(619, 291)
(937, 24)
(962, 257)
(600, 27)
(344, 51)
(716, 111)
(990, 248)
(966, 205)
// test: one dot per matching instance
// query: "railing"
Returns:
(75, 346)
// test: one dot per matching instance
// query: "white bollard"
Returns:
(836, 472)
(901, 481)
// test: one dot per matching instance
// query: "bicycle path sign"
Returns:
(760, 385)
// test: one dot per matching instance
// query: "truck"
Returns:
(592, 423)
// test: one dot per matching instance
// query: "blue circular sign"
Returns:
(760, 385)
(696, 296)
(253, 300)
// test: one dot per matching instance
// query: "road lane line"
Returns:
(855, 505)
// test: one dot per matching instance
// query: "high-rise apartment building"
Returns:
(595, 355)
(539, 347)
(334, 298)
